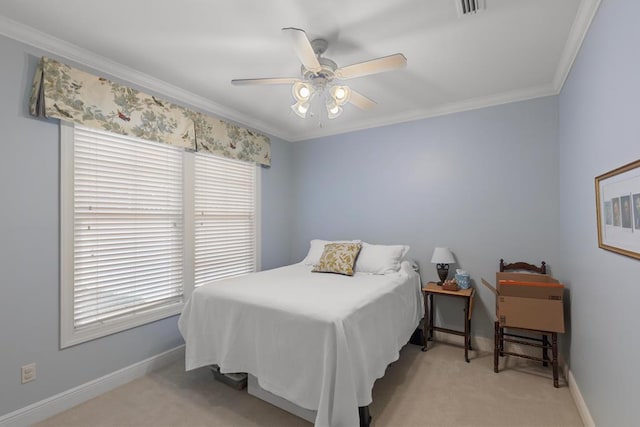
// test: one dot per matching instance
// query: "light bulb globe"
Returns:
(301, 109)
(340, 94)
(302, 91)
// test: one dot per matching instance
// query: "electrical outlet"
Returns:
(28, 373)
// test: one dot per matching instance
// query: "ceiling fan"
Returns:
(321, 77)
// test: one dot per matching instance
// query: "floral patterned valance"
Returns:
(225, 139)
(63, 92)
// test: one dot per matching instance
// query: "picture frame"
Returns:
(618, 210)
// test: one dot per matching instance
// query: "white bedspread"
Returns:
(318, 340)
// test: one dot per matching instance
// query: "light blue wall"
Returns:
(277, 205)
(29, 254)
(482, 182)
(600, 131)
(513, 181)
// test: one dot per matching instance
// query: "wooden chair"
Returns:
(500, 336)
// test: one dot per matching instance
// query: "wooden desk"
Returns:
(431, 289)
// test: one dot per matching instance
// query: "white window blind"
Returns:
(127, 226)
(142, 224)
(225, 218)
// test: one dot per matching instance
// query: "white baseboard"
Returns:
(46, 408)
(485, 344)
(578, 399)
(53, 405)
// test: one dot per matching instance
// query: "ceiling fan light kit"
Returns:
(302, 91)
(340, 94)
(301, 109)
(320, 77)
(333, 109)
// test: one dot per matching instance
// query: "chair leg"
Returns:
(545, 350)
(501, 340)
(554, 351)
(496, 343)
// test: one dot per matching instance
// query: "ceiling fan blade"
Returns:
(361, 101)
(265, 81)
(304, 50)
(378, 65)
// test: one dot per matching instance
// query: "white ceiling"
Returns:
(189, 50)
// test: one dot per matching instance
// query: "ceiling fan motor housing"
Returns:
(321, 78)
(319, 46)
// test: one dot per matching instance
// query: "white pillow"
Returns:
(380, 259)
(317, 247)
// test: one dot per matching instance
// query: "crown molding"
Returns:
(584, 17)
(586, 12)
(65, 50)
(68, 51)
(457, 107)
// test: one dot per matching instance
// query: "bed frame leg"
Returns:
(365, 416)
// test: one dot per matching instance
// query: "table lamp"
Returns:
(442, 257)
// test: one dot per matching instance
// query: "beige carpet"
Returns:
(436, 388)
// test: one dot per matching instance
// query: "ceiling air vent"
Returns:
(470, 7)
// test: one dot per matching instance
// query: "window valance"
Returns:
(225, 139)
(63, 92)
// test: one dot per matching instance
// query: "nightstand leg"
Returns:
(467, 341)
(425, 322)
(432, 309)
(469, 322)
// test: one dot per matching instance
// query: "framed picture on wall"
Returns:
(618, 210)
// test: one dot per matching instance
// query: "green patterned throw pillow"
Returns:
(338, 258)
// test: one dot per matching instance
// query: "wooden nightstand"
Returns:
(431, 289)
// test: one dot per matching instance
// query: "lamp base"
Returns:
(443, 272)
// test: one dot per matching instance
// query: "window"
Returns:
(142, 223)
(225, 221)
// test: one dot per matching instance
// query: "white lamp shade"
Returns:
(333, 111)
(302, 91)
(340, 94)
(442, 256)
(300, 108)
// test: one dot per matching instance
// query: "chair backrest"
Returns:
(523, 266)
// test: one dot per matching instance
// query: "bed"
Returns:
(316, 340)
